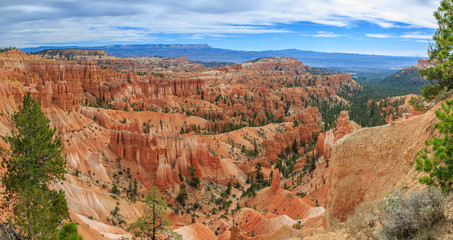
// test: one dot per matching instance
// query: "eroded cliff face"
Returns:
(68, 83)
(158, 160)
(371, 161)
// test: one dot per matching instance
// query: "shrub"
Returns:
(298, 225)
(115, 190)
(411, 216)
(398, 216)
(196, 206)
(301, 194)
(362, 223)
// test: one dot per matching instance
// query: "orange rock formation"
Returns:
(151, 118)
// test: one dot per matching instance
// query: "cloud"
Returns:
(202, 35)
(377, 35)
(420, 37)
(327, 35)
(408, 53)
(416, 35)
(31, 22)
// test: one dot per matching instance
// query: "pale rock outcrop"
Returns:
(196, 231)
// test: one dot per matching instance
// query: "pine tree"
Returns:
(259, 174)
(34, 160)
(228, 190)
(441, 52)
(439, 165)
(182, 195)
(194, 180)
(153, 220)
(69, 232)
(295, 147)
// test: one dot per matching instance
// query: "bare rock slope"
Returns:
(371, 161)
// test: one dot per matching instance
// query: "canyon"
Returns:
(256, 126)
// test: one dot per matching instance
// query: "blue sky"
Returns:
(386, 27)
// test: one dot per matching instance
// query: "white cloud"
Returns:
(75, 21)
(323, 34)
(202, 35)
(30, 9)
(377, 35)
(408, 53)
(422, 41)
(416, 35)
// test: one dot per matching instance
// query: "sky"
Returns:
(384, 27)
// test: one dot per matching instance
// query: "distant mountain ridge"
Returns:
(409, 76)
(405, 81)
(206, 53)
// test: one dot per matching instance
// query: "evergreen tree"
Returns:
(441, 76)
(440, 164)
(228, 190)
(153, 222)
(34, 160)
(295, 147)
(259, 174)
(182, 195)
(132, 192)
(194, 180)
(115, 189)
(69, 232)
